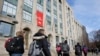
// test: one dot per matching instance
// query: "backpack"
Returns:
(78, 49)
(58, 48)
(65, 48)
(34, 49)
(9, 44)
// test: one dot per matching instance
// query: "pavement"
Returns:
(89, 54)
(53, 52)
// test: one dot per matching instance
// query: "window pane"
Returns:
(5, 29)
(27, 16)
(5, 3)
(48, 4)
(27, 8)
(9, 8)
(55, 3)
(4, 8)
(28, 3)
(13, 2)
(14, 12)
(40, 2)
(55, 12)
(57, 40)
(60, 8)
(48, 18)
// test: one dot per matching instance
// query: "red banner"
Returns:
(39, 18)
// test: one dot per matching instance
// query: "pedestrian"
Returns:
(58, 49)
(85, 50)
(97, 51)
(92, 50)
(78, 50)
(65, 49)
(15, 45)
(39, 45)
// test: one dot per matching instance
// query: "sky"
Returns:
(87, 12)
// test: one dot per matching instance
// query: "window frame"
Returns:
(11, 27)
(40, 2)
(48, 20)
(27, 13)
(6, 11)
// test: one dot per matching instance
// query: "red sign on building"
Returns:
(39, 15)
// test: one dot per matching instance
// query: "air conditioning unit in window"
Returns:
(10, 15)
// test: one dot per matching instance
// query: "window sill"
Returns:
(6, 16)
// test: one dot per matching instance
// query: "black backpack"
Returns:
(10, 44)
(78, 49)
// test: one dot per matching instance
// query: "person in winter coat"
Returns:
(97, 51)
(19, 50)
(65, 48)
(58, 49)
(85, 50)
(78, 50)
(41, 41)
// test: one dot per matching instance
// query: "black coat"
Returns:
(43, 43)
(19, 46)
(78, 50)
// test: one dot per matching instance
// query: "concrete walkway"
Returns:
(53, 52)
(89, 54)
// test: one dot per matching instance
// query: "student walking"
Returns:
(65, 49)
(78, 50)
(15, 46)
(39, 46)
(58, 49)
(85, 50)
(97, 51)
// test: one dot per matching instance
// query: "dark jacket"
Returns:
(78, 50)
(19, 46)
(43, 43)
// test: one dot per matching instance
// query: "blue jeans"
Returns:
(16, 55)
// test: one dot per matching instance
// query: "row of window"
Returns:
(9, 8)
(58, 39)
(70, 41)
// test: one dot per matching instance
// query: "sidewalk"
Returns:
(4, 53)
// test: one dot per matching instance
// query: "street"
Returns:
(89, 54)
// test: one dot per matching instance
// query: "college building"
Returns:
(55, 16)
